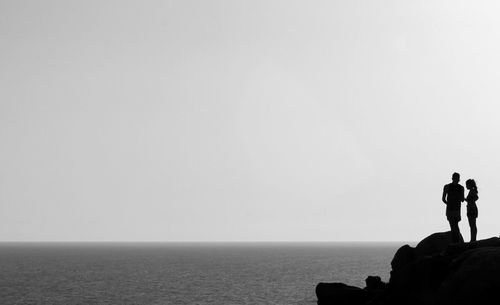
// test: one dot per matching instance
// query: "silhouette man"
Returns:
(453, 196)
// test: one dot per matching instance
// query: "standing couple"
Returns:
(453, 196)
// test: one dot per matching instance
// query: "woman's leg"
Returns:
(473, 229)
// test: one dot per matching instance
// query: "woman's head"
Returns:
(471, 184)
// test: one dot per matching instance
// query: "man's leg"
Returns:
(455, 231)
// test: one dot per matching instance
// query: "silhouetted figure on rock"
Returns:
(471, 199)
(453, 195)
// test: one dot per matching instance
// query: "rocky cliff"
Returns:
(435, 272)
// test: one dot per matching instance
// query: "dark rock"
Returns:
(474, 278)
(403, 257)
(490, 242)
(436, 272)
(431, 245)
(455, 250)
(374, 283)
(434, 243)
(418, 282)
(341, 294)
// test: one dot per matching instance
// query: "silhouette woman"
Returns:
(471, 199)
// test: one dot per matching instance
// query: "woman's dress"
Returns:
(471, 204)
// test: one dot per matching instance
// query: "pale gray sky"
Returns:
(245, 120)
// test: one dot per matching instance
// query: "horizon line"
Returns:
(205, 241)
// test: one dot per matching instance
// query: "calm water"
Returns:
(143, 274)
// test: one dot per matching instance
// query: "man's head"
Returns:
(455, 177)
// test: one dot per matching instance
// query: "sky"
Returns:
(245, 120)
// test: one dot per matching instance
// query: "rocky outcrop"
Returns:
(341, 294)
(403, 257)
(434, 243)
(473, 278)
(435, 272)
(374, 284)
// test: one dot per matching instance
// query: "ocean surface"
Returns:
(183, 273)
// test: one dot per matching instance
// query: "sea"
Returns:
(183, 273)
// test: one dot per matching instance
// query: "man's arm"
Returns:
(463, 195)
(445, 191)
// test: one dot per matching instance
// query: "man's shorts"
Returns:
(453, 216)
